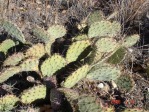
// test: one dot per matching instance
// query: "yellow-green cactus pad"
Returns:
(104, 72)
(118, 56)
(7, 103)
(104, 28)
(30, 64)
(95, 16)
(81, 37)
(41, 34)
(76, 49)
(56, 31)
(52, 64)
(88, 104)
(13, 30)
(106, 45)
(131, 40)
(48, 46)
(33, 94)
(6, 45)
(36, 50)
(8, 72)
(14, 59)
(76, 76)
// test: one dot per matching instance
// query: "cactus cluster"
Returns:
(101, 63)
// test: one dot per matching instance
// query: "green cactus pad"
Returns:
(81, 37)
(88, 104)
(13, 30)
(118, 56)
(6, 45)
(41, 34)
(33, 94)
(125, 83)
(56, 31)
(76, 76)
(76, 49)
(30, 64)
(95, 16)
(14, 59)
(106, 45)
(52, 64)
(7, 103)
(131, 40)
(104, 72)
(8, 72)
(104, 28)
(69, 93)
(36, 50)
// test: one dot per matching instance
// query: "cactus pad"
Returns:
(41, 34)
(104, 28)
(36, 50)
(104, 72)
(13, 30)
(76, 49)
(95, 17)
(52, 64)
(131, 40)
(81, 37)
(125, 83)
(8, 72)
(106, 44)
(13, 59)
(6, 45)
(76, 76)
(30, 64)
(88, 104)
(7, 102)
(56, 31)
(32, 94)
(118, 56)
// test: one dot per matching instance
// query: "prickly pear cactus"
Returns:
(104, 72)
(14, 59)
(41, 34)
(36, 50)
(106, 45)
(125, 83)
(95, 16)
(13, 30)
(88, 104)
(76, 76)
(7, 103)
(6, 45)
(52, 64)
(33, 94)
(30, 64)
(131, 40)
(76, 49)
(118, 56)
(56, 31)
(104, 28)
(8, 72)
